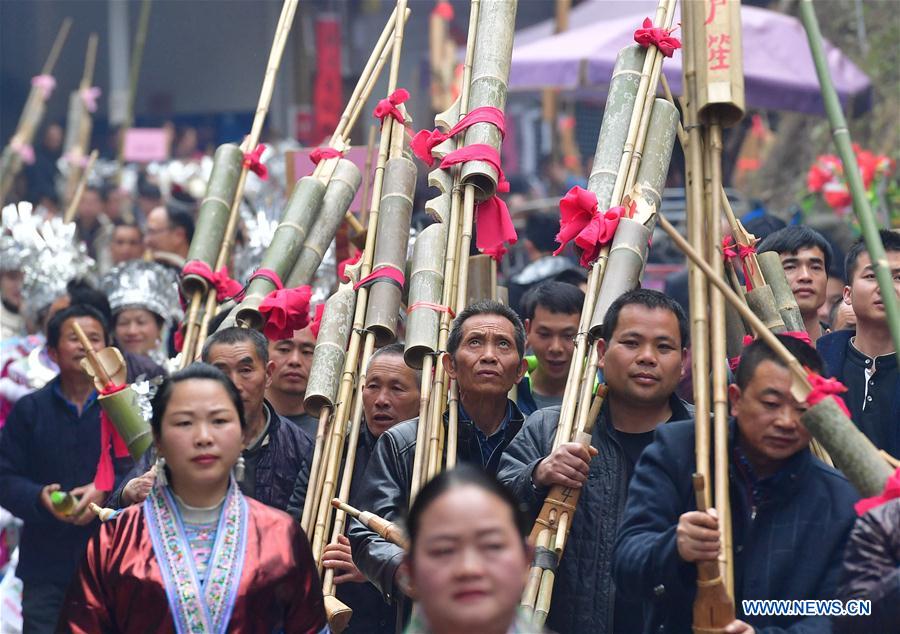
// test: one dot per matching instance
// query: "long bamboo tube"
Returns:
(134, 73)
(72, 209)
(387, 530)
(31, 117)
(79, 123)
(841, 136)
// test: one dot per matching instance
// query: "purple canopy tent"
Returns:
(778, 66)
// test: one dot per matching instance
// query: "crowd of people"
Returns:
(205, 533)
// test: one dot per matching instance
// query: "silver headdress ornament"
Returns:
(46, 251)
(148, 285)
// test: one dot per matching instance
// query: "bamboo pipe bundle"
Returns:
(785, 302)
(31, 117)
(853, 453)
(552, 526)
(391, 247)
(79, 122)
(336, 202)
(195, 331)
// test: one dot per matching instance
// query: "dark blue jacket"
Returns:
(833, 350)
(44, 441)
(788, 548)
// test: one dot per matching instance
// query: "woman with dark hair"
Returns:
(468, 558)
(197, 555)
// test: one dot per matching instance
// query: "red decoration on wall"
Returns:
(328, 100)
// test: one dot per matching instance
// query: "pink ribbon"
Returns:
(425, 141)
(253, 162)
(45, 83)
(104, 478)
(324, 153)
(492, 223)
(24, 150)
(316, 322)
(285, 310)
(89, 96)
(580, 220)
(659, 37)
(743, 252)
(823, 388)
(224, 285)
(385, 273)
(388, 107)
(73, 157)
(891, 491)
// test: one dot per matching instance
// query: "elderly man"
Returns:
(277, 453)
(390, 396)
(291, 359)
(485, 355)
(790, 513)
(643, 348)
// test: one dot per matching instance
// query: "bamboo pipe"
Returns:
(194, 337)
(422, 426)
(841, 136)
(78, 137)
(72, 209)
(137, 56)
(387, 530)
(713, 605)
(529, 596)
(56, 49)
(315, 480)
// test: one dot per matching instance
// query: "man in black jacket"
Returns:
(790, 513)
(643, 349)
(485, 353)
(51, 442)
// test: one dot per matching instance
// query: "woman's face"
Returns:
(137, 330)
(469, 564)
(200, 436)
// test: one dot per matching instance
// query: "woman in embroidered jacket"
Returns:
(197, 556)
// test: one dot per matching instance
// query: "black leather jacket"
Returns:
(584, 596)
(872, 570)
(385, 491)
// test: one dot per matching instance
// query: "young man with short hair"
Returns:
(643, 348)
(51, 442)
(864, 359)
(552, 311)
(127, 242)
(806, 258)
(291, 360)
(790, 513)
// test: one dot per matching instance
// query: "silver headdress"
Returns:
(46, 251)
(148, 285)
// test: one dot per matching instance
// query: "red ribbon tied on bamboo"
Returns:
(104, 479)
(316, 322)
(493, 225)
(324, 153)
(823, 387)
(426, 140)
(891, 491)
(657, 36)
(253, 162)
(443, 10)
(580, 220)
(285, 309)
(224, 285)
(388, 107)
(343, 264)
(743, 252)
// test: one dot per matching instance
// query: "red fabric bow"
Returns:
(425, 141)
(659, 37)
(493, 225)
(253, 162)
(224, 285)
(324, 153)
(388, 107)
(891, 491)
(343, 264)
(285, 310)
(104, 479)
(580, 220)
(743, 252)
(822, 388)
(443, 9)
(316, 322)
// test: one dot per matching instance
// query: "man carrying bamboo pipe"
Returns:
(291, 359)
(643, 351)
(485, 352)
(806, 257)
(865, 359)
(791, 513)
(390, 396)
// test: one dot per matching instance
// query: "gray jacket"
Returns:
(584, 596)
(385, 491)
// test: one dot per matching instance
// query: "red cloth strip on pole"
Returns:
(659, 37)
(285, 310)
(324, 153)
(104, 479)
(388, 107)
(425, 141)
(891, 491)
(580, 220)
(220, 280)
(440, 308)
(823, 388)
(387, 273)
(253, 162)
